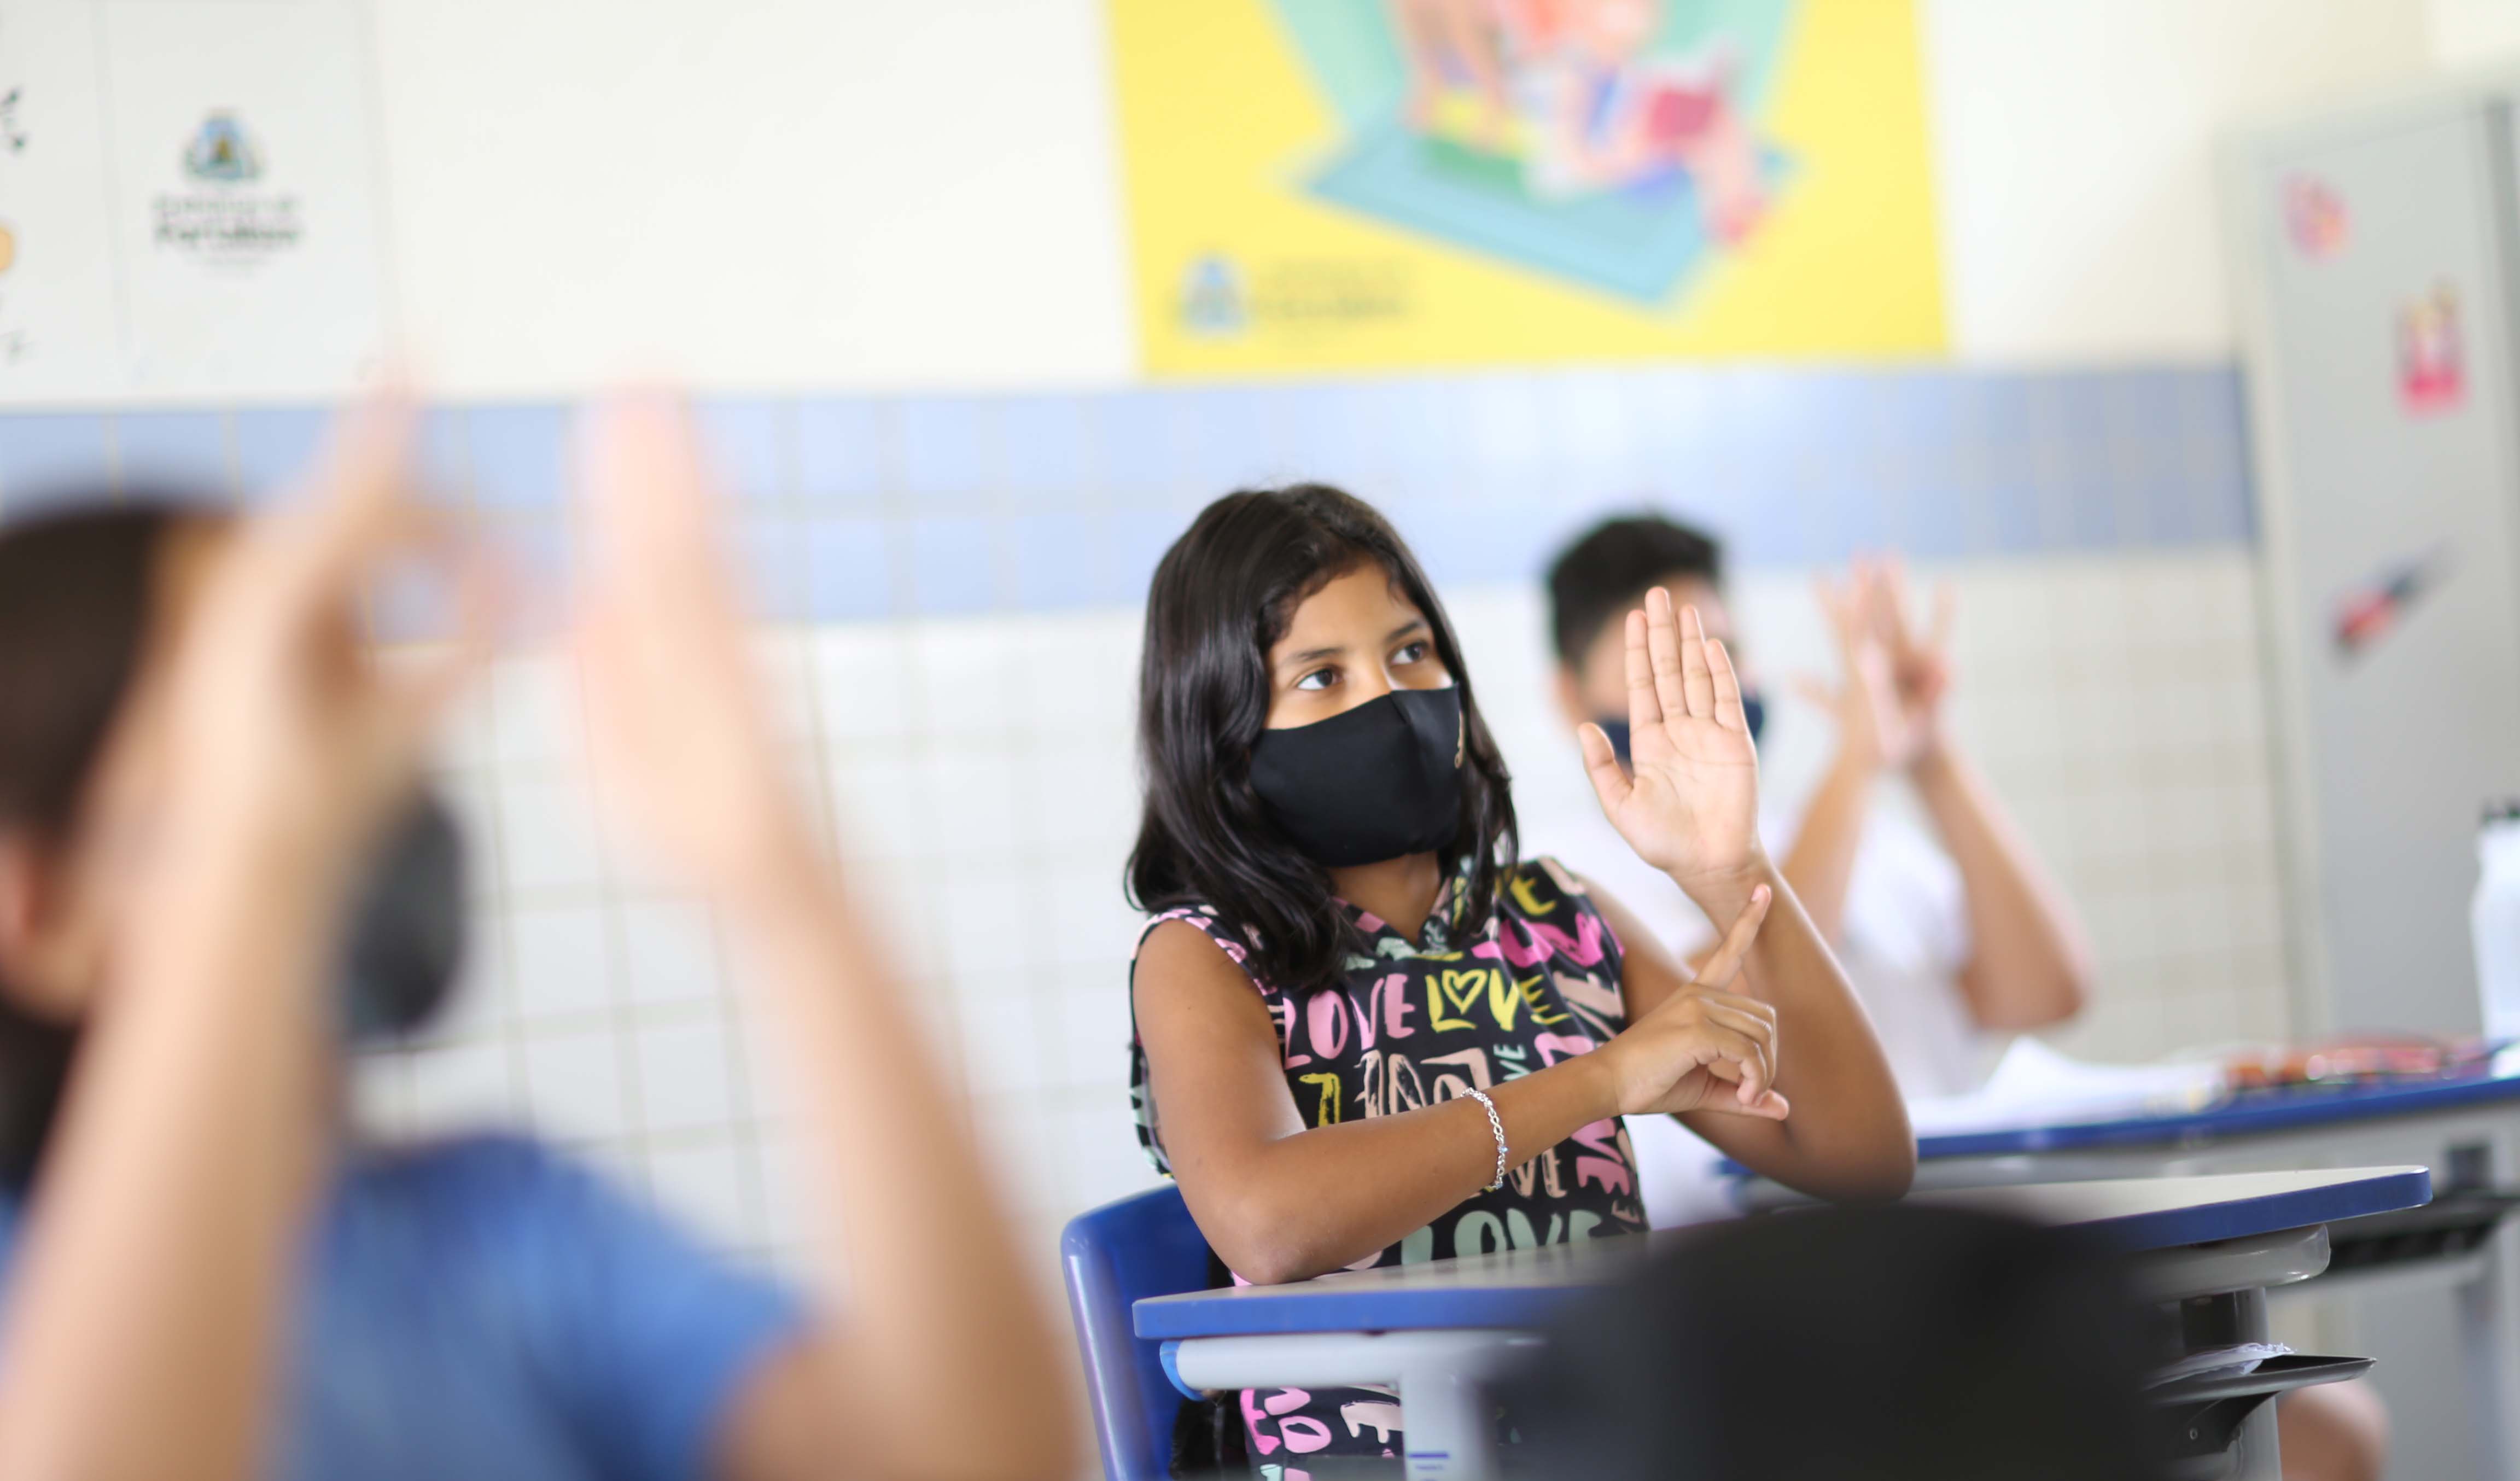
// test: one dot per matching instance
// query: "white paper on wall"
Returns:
(245, 195)
(59, 336)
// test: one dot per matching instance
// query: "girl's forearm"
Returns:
(153, 1274)
(938, 1304)
(1323, 1198)
(1848, 1135)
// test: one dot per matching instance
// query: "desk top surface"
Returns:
(2248, 1113)
(1522, 1288)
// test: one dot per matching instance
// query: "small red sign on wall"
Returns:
(2432, 359)
(2314, 217)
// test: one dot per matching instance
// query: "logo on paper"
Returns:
(216, 217)
(1212, 298)
(220, 152)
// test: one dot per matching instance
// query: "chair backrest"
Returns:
(1113, 1256)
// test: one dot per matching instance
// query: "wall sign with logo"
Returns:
(221, 217)
(242, 160)
(188, 201)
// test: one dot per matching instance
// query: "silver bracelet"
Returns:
(1495, 1125)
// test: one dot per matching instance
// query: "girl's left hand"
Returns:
(1689, 804)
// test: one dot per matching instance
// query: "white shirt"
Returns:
(1903, 941)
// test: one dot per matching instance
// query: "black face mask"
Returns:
(406, 931)
(1754, 714)
(1379, 781)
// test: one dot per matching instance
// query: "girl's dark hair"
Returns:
(1222, 595)
(78, 591)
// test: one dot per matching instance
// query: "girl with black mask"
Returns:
(1367, 1032)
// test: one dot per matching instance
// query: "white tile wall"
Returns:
(980, 785)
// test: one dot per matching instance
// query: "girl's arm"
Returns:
(1848, 1136)
(1280, 1200)
(933, 1355)
(1690, 807)
(147, 1307)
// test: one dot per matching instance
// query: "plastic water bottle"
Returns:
(2494, 917)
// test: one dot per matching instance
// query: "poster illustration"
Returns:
(1369, 183)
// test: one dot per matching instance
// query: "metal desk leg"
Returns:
(2221, 1293)
(2259, 1458)
(2486, 1332)
(1444, 1421)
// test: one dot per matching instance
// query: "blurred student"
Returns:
(204, 1276)
(1368, 1031)
(1894, 1344)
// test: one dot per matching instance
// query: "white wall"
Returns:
(2474, 33)
(2073, 151)
(797, 193)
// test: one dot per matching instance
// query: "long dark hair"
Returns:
(78, 591)
(1222, 595)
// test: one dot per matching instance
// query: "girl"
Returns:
(201, 1280)
(1367, 1032)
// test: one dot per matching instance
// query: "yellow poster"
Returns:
(1378, 183)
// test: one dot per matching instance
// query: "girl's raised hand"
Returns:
(681, 734)
(1688, 801)
(1704, 1048)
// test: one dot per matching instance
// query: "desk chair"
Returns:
(1112, 1256)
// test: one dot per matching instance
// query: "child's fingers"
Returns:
(1727, 961)
(1938, 639)
(1727, 689)
(1610, 782)
(1662, 635)
(363, 477)
(1759, 1028)
(1645, 703)
(1696, 676)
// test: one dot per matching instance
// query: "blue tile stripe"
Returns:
(872, 507)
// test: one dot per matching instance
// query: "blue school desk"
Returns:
(2467, 1130)
(1438, 1330)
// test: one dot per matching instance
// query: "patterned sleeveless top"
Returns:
(1410, 1024)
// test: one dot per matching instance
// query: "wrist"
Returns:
(1936, 759)
(1722, 894)
(1597, 1076)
